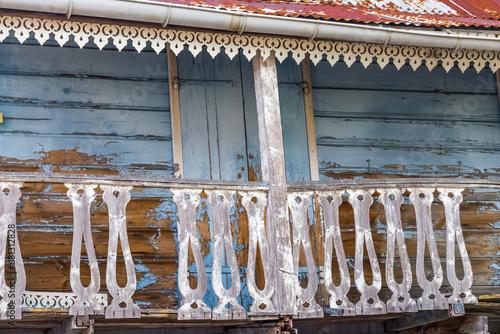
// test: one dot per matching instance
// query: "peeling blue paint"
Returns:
(495, 225)
(140, 303)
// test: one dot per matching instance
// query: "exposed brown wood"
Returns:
(274, 172)
(175, 113)
(309, 110)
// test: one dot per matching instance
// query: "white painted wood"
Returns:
(274, 173)
(221, 203)
(330, 202)
(431, 298)
(369, 302)
(255, 204)
(192, 304)
(85, 304)
(451, 198)
(117, 198)
(309, 109)
(400, 301)
(175, 113)
(12, 274)
(298, 203)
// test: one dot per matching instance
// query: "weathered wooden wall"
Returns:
(405, 122)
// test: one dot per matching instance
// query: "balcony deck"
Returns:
(189, 251)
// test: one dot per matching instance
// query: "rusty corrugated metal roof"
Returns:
(440, 13)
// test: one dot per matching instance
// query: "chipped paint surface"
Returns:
(448, 13)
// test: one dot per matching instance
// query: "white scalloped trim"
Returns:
(232, 43)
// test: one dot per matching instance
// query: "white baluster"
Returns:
(330, 202)
(192, 305)
(255, 204)
(431, 297)
(116, 198)
(12, 278)
(400, 300)
(369, 303)
(85, 302)
(462, 293)
(298, 203)
(221, 203)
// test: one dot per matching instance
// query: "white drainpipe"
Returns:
(187, 16)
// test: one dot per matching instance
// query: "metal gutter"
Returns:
(194, 17)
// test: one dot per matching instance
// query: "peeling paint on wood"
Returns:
(306, 305)
(221, 202)
(117, 198)
(255, 204)
(400, 300)
(330, 202)
(369, 303)
(192, 305)
(431, 298)
(85, 304)
(462, 293)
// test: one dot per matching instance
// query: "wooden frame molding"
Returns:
(310, 126)
(175, 114)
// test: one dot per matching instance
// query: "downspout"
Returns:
(187, 16)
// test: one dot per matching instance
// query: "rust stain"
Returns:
(438, 13)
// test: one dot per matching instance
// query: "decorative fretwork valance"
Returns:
(101, 33)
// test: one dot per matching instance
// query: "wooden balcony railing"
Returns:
(309, 204)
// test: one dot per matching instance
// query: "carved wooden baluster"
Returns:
(298, 203)
(400, 300)
(85, 302)
(451, 199)
(431, 297)
(12, 278)
(330, 202)
(116, 198)
(192, 306)
(255, 204)
(221, 203)
(369, 303)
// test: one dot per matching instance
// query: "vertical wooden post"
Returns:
(175, 113)
(273, 172)
(311, 130)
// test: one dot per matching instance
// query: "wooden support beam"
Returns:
(273, 172)
(416, 320)
(437, 322)
(175, 113)
(311, 129)
(77, 324)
